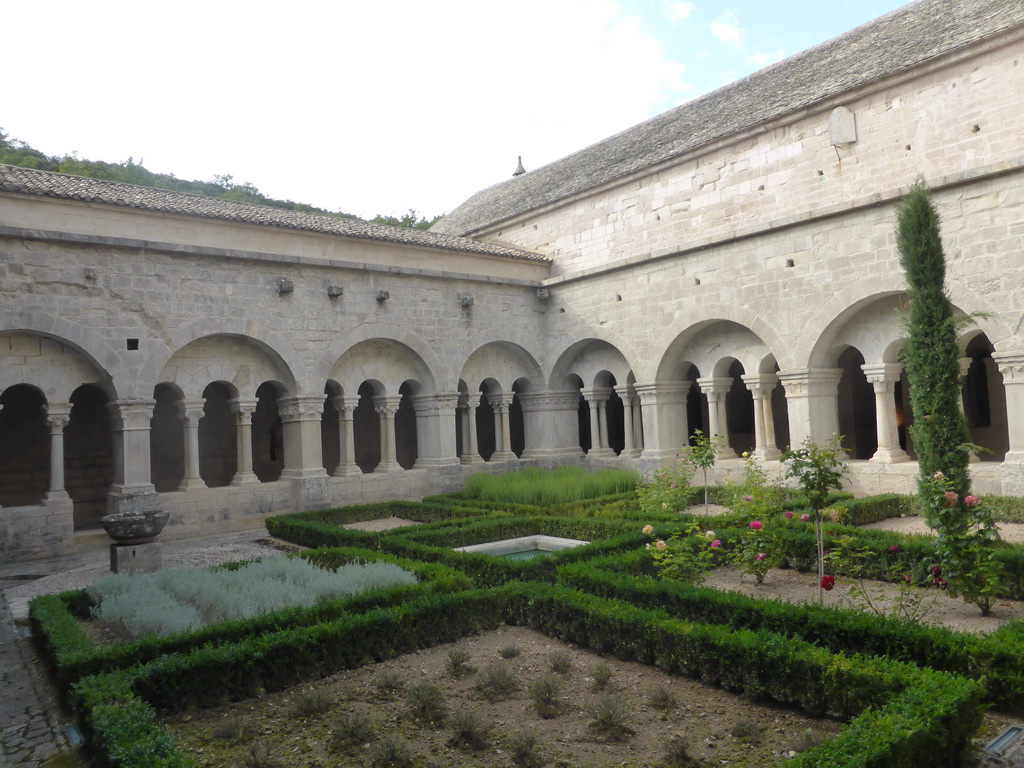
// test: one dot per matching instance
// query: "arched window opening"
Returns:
(218, 456)
(485, 437)
(24, 447)
(739, 411)
(614, 415)
(166, 440)
(267, 435)
(366, 424)
(88, 455)
(985, 401)
(517, 434)
(330, 433)
(406, 449)
(856, 404)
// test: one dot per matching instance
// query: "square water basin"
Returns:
(523, 548)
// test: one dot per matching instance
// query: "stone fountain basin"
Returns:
(135, 527)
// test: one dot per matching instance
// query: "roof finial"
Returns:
(519, 171)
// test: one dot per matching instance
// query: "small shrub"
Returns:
(543, 693)
(602, 676)
(497, 680)
(560, 662)
(457, 663)
(351, 729)
(677, 753)
(609, 716)
(662, 699)
(525, 750)
(391, 752)
(470, 730)
(312, 703)
(229, 728)
(389, 682)
(427, 704)
(259, 756)
(509, 651)
(746, 729)
(807, 739)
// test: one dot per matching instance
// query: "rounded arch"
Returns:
(503, 362)
(349, 347)
(710, 346)
(53, 364)
(385, 362)
(586, 359)
(241, 363)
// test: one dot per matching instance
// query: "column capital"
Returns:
(189, 410)
(387, 405)
(300, 408)
(549, 401)
(760, 385)
(131, 413)
(663, 392)
(714, 385)
(813, 381)
(57, 414)
(1011, 366)
(436, 403)
(883, 373)
(596, 394)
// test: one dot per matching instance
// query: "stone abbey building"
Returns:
(729, 265)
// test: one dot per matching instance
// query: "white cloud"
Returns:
(679, 11)
(727, 30)
(764, 59)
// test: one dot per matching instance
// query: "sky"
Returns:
(377, 107)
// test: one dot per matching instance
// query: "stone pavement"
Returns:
(32, 723)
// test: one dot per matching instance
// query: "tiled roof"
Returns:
(898, 41)
(28, 181)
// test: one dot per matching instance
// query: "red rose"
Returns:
(827, 582)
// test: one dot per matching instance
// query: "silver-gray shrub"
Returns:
(179, 600)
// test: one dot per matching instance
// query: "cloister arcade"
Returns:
(227, 411)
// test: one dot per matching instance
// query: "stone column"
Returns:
(629, 449)
(189, 413)
(435, 429)
(1011, 366)
(597, 399)
(663, 411)
(813, 408)
(57, 417)
(347, 466)
(638, 423)
(551, 427)
(303, 453)
(243, 411)
(760, 386)
(386, 408)
(132, 488)
(470, 445)
(883, 378)
(502, 433)
(718, 425)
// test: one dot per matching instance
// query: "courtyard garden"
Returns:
(761, 625)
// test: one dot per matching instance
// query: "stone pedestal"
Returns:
(136, 558)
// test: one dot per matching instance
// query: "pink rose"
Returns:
(951, 498)
(970, 501)
(894, 549)
(755, 524)
(805, 518)
(761, 555)
(788, 515)
(716, 544)
(659, 544)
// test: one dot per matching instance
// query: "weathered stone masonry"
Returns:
(728, 266)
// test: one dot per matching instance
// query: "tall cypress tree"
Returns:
(931, 354)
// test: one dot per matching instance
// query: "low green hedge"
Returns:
(994, 659)
(71, 655)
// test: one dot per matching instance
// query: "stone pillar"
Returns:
(629, 449)
(243, 411)
(303, 453)
(597, 399)
(718, 425)
(1011, 366)
(435, 429)
(57, 417)
(663, 411)
(883, 378)
(189, 413)
(502, 434)
(347, 466)
(386, 408)
(760, 386)
(813, 407)
(638, 423)
(551, 427)
(470, 445)
(132, 489)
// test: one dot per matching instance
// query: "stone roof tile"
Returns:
(895, 42)
(29, 181)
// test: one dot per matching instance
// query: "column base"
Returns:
(348, 470)
(468, 459)
(767, 454)
(193, 483)
(889, 456)
(600, 453)
(386, 467)
(56, 498)
(502, 456)
(246, 478)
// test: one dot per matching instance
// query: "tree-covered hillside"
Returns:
(15, 152)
